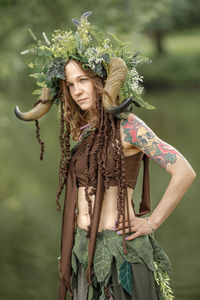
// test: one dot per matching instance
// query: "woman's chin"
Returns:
(85, 107)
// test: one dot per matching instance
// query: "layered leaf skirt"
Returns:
(142, 274)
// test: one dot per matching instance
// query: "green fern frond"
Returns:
(163, 282)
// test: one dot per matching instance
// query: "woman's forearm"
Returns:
(182, 177)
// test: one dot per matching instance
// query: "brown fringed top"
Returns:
(76, 178)
(132, 165)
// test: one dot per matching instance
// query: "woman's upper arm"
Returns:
(136, 134)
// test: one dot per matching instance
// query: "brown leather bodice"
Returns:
(132, 166)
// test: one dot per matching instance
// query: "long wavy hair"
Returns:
(72, 118)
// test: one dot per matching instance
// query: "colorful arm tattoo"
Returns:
(137, 133)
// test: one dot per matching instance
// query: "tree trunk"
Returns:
(158, 38)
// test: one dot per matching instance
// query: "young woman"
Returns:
(133, 140)
(108, 250)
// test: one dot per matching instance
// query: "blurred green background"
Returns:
(168, 32)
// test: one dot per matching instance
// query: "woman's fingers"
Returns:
(139, 227)
(133, 236)
(126, 224)
(136, 233)
(133, 222)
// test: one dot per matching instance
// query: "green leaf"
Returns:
(102, 261)
(37, 92)
(113, 243)
(35, 75)
(141, 102)
(44, 69)
(74, 263)
(41, 78)
(49, 83)
(32, 34)
(79, 42)
(144, 248)
(132, 255)
(160, 257)
(126, 277)
(80, 248)
(41, 84)
(90, 293)
(31, 65)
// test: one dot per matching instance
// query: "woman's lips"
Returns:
(83, 99)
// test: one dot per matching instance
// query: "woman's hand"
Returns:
(139, 227)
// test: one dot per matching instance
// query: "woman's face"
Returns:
(80, 86)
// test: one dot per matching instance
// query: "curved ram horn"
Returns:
(38, 111)
(120, 108)
(117, 71)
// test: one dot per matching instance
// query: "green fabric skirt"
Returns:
(142, 274)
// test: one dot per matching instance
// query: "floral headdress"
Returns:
(95, 50)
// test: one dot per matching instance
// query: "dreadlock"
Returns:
(64, 138)
(38, 129)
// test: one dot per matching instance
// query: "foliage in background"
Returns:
(158, 18)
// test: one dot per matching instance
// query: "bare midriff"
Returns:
(109, 209)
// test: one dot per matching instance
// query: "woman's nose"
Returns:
(77, 90)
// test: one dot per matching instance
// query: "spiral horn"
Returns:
(117, 71)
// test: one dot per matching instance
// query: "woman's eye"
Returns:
(84, 79)
(69, 85)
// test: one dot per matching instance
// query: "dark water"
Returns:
(30, 224)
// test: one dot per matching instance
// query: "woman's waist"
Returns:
(107, 218)
(84, 221)
(109, 208)
(110, 195)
